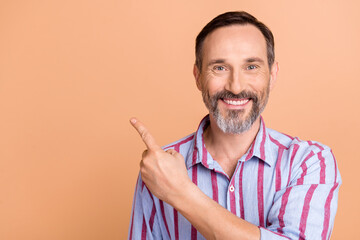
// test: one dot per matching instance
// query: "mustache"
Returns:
(243, 94)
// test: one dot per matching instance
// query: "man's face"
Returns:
(235, 78)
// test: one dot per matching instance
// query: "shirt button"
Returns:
(232, 188)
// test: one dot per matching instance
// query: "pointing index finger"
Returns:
(145, 135)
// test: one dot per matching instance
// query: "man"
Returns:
(234, 178)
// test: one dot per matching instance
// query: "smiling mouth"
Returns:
(236, 102)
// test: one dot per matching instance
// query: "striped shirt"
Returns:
(286, 186)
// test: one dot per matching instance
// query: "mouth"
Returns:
(236, 101)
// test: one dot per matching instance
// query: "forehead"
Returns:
(235, 41)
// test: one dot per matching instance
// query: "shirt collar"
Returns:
(260, 148)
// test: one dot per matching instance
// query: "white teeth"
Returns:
(236, 103)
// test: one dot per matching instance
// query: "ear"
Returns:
(196, 73)
(273, 74)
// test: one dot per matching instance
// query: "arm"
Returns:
(209, 218)
(306, 207)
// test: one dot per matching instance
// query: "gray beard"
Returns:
(232, 122)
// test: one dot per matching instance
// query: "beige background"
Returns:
(73, 72)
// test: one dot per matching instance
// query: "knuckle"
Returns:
(157, 154)
(144, 135)
(147, 158)
(171, 151)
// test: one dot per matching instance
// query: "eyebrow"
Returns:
(216, 61)
(254, 59)
(248, 60)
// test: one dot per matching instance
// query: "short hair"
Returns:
(233, 18)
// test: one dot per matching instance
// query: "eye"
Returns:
(219, 68)
(251, 67)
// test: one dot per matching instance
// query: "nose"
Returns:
(236, 82)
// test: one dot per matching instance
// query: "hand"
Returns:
(163, 172)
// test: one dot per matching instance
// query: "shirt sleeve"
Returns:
(306, 207)
(143, 222)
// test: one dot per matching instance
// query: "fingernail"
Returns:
(133, 120)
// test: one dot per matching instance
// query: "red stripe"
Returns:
(284, 202)
(232, 199)
(292, 138)
(193, 233)
(164, 217)
(204, 157)
(142, 186)
(176, 218)
(328, 202)
(250, 154)
(194, 156)
(186, 140)
(319, 146)
(177, 147)
(260, 193)
(322, 168)
(214, 184)
(176, 224)
(232, 194)
(195, 138)
(315, 144)
(285, 197)
(305, 211)
(296, 148)
(262, 145)
(194, 174)
(327, 212)
(180, 143)
(242, 212)
(277, 143)
(132, 219)
(278, 170)
(300, 181)
(335, 166)
(143, 229)
(152, 217)
(194, 180)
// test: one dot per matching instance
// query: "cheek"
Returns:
(260, 82)
(214, 84)
(263, 93)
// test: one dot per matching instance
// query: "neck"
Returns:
(227, 148)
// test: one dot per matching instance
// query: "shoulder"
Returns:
(289, 142)
(307, 158)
